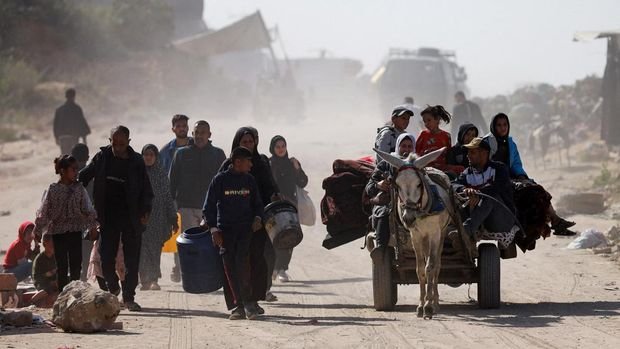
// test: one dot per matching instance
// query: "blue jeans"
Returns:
(21, 271)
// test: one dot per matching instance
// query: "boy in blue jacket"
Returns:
(233, 210)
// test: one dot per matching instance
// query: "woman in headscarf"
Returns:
(162, 221)
(262, 257)
(504, 149)
(378, 189)
(288, 175)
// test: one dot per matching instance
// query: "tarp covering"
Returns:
(249, 33)
(591, 35)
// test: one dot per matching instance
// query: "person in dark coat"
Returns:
(288, 175)
(466, 111)
(193, 167)
(123, 199)
(457, 155)
(70, 124)
(234, 213)
(261, 170)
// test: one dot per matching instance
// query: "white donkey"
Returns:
(428, 229)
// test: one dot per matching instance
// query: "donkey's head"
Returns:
(409, 181)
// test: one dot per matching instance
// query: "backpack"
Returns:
(345, 208)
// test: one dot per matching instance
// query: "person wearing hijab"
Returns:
(162, 222)
(505, 150)
(20, 254)
(262, 257)
(457, 155)
(378, 189)
(288, 175)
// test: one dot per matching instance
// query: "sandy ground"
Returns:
(551, 297)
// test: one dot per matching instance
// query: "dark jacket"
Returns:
(381, 172)
(138, 187)
(166, 154)
(287, 177)
(191, 173)
(467, 112)
(69, 121)
(494, 181)
(505, 150)
(232, 199)
(457, 155)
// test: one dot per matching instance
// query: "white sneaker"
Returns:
(283, 276)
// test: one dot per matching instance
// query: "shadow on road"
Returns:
(174, 313)
(531, 315)
(326, 282)
(326, 320)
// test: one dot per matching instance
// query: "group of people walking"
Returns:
(129, 204)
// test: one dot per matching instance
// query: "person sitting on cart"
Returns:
(378, 189)
(497, 215)
(387, 135)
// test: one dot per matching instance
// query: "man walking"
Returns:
(123, 196)
(466, 112)
(193, 167)
(180, 130)
(70, 124)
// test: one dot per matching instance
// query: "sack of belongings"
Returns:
(345, 209)
(532, 202)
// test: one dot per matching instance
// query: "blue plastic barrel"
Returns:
(201, 263)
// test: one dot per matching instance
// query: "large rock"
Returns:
(584, 203)
(85, 309)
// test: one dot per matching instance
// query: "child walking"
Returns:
(233, 211)
(434, 138)
(66, 211)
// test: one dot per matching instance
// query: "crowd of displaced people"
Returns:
(478, 162)
(107, 219)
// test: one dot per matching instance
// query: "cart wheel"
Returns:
(489, 276)
(384, 291)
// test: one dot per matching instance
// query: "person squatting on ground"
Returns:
(19, 256)
(66, 212)
(387, 135)
(162, 221)
(233, 210)
(457, 154)
(44, 275)
(193, 167)
(378, 189)
(262, 255)
(123, 197)
(289, 175)
(491, 178)
(69, 124)
(434, 138)
(80, 152)
(505, 150)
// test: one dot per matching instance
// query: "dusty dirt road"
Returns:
(551, 297)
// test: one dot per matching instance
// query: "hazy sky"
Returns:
(502, 44)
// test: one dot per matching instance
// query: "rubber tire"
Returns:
(489, 279)
(383, 287)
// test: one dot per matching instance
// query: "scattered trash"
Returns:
(588, 239)
(601, 250)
